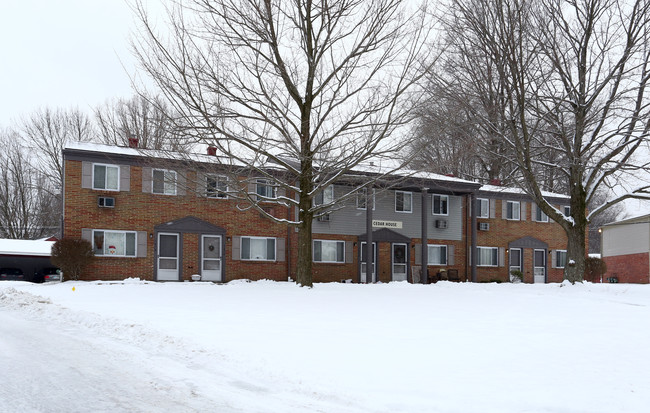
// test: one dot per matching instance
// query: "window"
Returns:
(216, 186)
(488, 257)
(440, 205)
(361, 199)
(114, 243)
(483, 208)
(106, 177)
(540, 216)
(512, 210)
(437, 254)
(258, 249)
(560, 258)
(326, 196)
(329, 251)
(566, 210)
(265, 189)
(403, 201)
(164, 182)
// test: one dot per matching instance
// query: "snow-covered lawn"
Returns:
(275, 347)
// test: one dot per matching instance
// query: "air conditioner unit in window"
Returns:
(441, 223)
(484, 226)
(324, 218)
(106, 202)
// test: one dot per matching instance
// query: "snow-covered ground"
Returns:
(275, 347)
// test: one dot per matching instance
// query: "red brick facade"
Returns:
(630, 268)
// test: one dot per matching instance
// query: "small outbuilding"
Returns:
(626, 250)
(30, 256)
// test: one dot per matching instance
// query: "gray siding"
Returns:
(626, 239)
(351, 221)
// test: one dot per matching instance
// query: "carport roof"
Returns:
(25, 247)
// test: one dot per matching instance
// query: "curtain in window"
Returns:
(114, 243)
(111, 178)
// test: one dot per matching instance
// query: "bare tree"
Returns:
(573, 77)
(314, 87)
(143, 117)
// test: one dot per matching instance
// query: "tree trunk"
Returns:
(303, 269)
(576, 252)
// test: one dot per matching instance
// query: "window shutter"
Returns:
(181, 180)
(349, 252)
(201, 184)
(418, 254)
(281, 192)
(87, 234)
(493, 207)
(236, 248)
(252, 188)
(125, 178)
(553, 259)
(522, 214)
(142, 243)
(280, 248)
(86, 175)
(451, 259)
(533, 212)
(504, 209)
(502, 257)
(147, 178)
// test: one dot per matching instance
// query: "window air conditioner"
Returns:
(484, 226)
(441, 223)
(106, 202)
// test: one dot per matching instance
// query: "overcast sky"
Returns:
(63, 53)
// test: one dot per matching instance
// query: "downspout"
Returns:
(425, 236)
(474, 252)
(289, 227)
(369, 249)
(468, 204)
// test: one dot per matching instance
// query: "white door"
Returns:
(168, 257)
(539, 266)
(363, 262)
(515, 261)
(399, 262)
(211, 258)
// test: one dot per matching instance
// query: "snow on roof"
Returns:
(519, 191)
(25, 247)
(632, 220)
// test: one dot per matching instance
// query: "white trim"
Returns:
(364, 192)
(241, 249)
(487, 265)
(329, 188)
(433, 204)
(487, 210)
(518, 210)
(327, 241)
(266, 183)
(135, 240)
(410, 203)
(542, 215)
(217, 191)
(92, 184)
(557, 261)
(429, 246)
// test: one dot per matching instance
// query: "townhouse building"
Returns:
(163, 217)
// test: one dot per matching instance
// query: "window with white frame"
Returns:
(257, 249)
(326, 196)
(216, 186)
(437, 255)
(566, 210)
(483, 208)
(560, 258)
(329, 251)
(265, 189)
(164, 182)
(403, 201)
(540, 216)
(106, 177)
(487, 256)
(361, 198)
(114, 243)
(440, 204)
(513, 209)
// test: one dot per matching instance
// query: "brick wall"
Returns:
(631, 268)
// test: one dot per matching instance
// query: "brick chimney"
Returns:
(212, 151)
(133, 142)
(495, 182)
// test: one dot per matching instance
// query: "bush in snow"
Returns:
(594, 269)
(517, 276)
(72, 255)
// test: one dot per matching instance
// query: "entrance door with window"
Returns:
(211, 258)
(539, 266)
(363, 262)
(399, 262)
(168, 262)
(515, 261)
